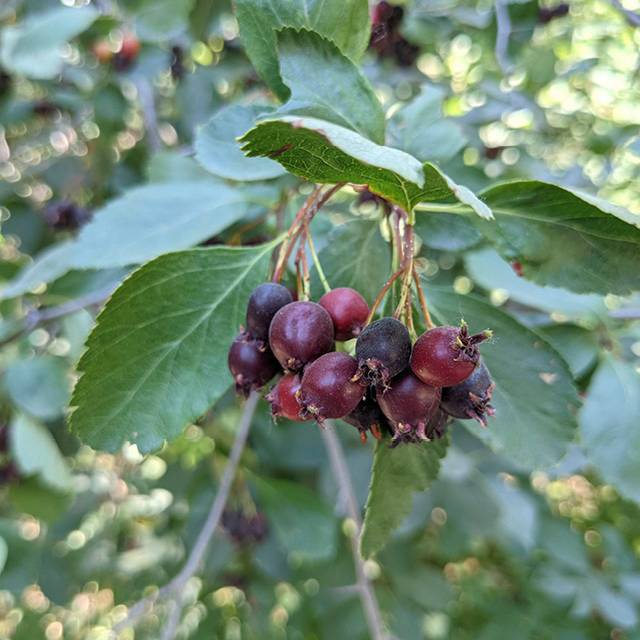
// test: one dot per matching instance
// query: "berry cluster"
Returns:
(411, 391)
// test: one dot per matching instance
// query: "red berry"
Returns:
(284, 398)
(348, 310)
(470, 399)
(328, 389)
(409, 404)
(445, 356)
(265, 301)
(300, 332)
(252, 364)
(383, 350)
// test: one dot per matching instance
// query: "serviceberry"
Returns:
(265, 301)
(64, 215)
(283, 398)
(328, 389)
(383, 350)
(368, 416)
(252, 365)
(470, 399)
(409, 404)
(300, 332)
(348, 310)
(445, 356)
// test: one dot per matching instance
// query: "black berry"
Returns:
(383, 350)
(251, 363)
(368, 416)
(409, 404)
(300, 332)
(328, 389)
(471, 399)
(265, 301)
(65, 216)
(445, 356)
(348, 310)
(283, 398)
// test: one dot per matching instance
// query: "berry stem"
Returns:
(423, 301)
(316, 261)
(381, 294)
(407, 263)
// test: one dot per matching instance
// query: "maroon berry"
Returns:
(437, 425)
(265, 301)
(284, 398)
(368, 416)
(328, 389)
(383, 350)
(252, 364)
(445, 356)
(300, 332)
(470, 399)
(409, 404)
(348, 310)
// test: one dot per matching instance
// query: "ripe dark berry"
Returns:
(300, 332)
(265, 301)
(348, 310)
(244, 529)
(409, 404)
(328, 389)
(437, 425)
(445, 356)
(470, 399)
(65, 216)
(383, 350)
(284, 398)
(252, 364)
(368, 416)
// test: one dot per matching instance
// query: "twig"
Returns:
(172, 621)
(382, 293)
(174, 588)
(423, 301)
(36, 317)
(503, 24)
(632, 17)
(365, 588)
(148, 106)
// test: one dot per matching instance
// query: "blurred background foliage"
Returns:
(111, 98)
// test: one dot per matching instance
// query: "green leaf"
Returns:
(344, 22)
(218, 151)
(609, 425)
(327, 85)
(563, 238)
(304, 525)
(31, 496)
(324, 152)
(534, 398)
(142, 224)
(396, 475)
(355, 256)
(157, 356)
(578, 346)
(32, 48)
(446, 231)
(36, 453)
(39, 386)
(161, 20)
(490, 271)
(420, 128)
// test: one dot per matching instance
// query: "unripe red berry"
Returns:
(265, 301)
(328, 389)
(383, 350)
(348, 310)
(284, 398)
(299, 333)
(470, 399)
(251, 363)
(409, 404)
(445, 356)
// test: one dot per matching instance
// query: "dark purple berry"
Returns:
(437, 425)
(409, 404)
(300, 332)
(471, 399)
(177, 63)
(348, 310)
(265, 301)
(547, 14)
(244, 529)
(65, 216)
(383, 350)
(445, 356)
(284, 398)
(368, 416)
(251, 363)
(328, 389)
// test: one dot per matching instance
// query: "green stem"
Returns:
(316, 262)
(432, 207)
